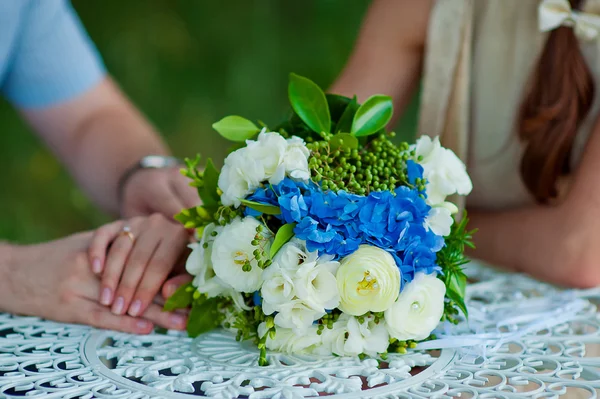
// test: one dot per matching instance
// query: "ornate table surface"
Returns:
(524, 339)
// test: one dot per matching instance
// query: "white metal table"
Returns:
(528, 340)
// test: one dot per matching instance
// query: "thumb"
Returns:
(173, 283)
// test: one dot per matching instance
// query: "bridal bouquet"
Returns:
(323, 236)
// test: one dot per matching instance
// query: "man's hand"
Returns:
(163, 191)
(54, 280)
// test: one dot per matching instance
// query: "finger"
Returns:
(101, 240)
(162, 262)
(170, 320)
(99, 316)
(187, 194)
(152, 233)
(172, 284)
(114, 265)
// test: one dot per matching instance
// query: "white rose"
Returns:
(316, 284)
(240, 176)
(233, 248)
(297, 316)
(296, 159)
(367, 280)
(367, 337)
(269, 150)
(199, 264)
(418, 309)
(439, 219)
(287, 341)
(444, 171)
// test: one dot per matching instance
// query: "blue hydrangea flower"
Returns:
(337, 223)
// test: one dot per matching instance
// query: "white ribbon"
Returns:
(555, 13)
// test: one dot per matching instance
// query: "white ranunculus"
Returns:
(287, 341)
(367, 337)
(297, 316)
(269, 150)
(439, 219)
(240, 176)
(232, 248)
(418, 309)
(367, 280)
(199, 264)
(296, 159)
(446, 174)
(316, 284)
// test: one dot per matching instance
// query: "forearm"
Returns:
(536, 240)
(97, 136)
(6, 263)
(388, 54)
(107, 144)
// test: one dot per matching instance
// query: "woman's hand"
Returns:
(135, 257)
(54, 280)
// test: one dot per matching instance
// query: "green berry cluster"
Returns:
(260, 255)
(225, 214)
(327, 321)
(400, 346)
(380, 165)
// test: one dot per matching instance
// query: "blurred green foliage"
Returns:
(185, 64)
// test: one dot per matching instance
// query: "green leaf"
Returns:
(459, 301)
(337, 105)
(309, 102)
(264, 208)
(284, 234)
(343, 140)
(211, 179)
(208, 191)
(458, 283)
(345, 122)
(181, 299)
(203, 317)
(236, 128)
(372, 116)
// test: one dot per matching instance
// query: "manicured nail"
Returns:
(118, 305)
(177, 320)
(97, 266)
(143, 325)
(171, 288)
(135, 307)
(106, 296)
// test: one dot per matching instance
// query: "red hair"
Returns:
(560, 96)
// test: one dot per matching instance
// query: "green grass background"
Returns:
(185, 64)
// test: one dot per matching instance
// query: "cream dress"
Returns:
(480, 55)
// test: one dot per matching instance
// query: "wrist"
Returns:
(147, 162)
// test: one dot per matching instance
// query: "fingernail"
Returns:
(177, 320)
(143, 325)
(106, 296)
(97, 266)
(171, 289)
(135, 307)
(118, 305)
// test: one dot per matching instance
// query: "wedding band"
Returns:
(127, 232)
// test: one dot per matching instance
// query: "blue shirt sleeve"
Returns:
(54, 59)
